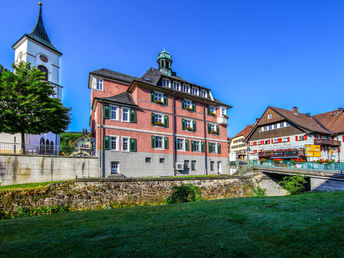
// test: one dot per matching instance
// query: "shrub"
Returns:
(262, 160)
(259, 192)
(294, 184)
(184, 193)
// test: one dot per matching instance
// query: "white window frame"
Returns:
(158, 96)
(158, 120)
(193, 165)
(166, 83)
(117, 142)
(183, 144)
(128, 144)
(215, 147)
(285, 139)
(98, 84)
(176, 85)
(204, 93)
(269, 116)
(213, 126)
(198, 146)
(190, 122)
(212, 109)
(186, 88)
(195, 91)
(117, 113)
(188, 103)
(111, 167)
(212, 165)
(162, 142)
(126, 121)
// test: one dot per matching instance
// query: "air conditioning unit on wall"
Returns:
(179, 166)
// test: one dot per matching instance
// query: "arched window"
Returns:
(52, 147)
(44, 70)
(41, 146)
(47, 147)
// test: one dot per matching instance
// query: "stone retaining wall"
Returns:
(85, 194)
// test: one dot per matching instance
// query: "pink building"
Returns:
(156, 125)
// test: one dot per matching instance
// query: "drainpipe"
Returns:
(174, 138)
(205, 141)
(101, 164)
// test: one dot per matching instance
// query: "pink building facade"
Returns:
(157, 125)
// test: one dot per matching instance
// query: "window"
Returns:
(44, 70)
(166, 83)
(223, 111)
(148, 160)
(212, 147)
(158, 96)
(301, 138)
(186, 88)
(196, 146)
(176, 85)
(158, 142)
(270, 127)
(158, 119)
(180, 144)
(114, 113)
(285, 139)
(161, 160)
(212, 165)
(188, 104)
(204, 93)
(193, 165)
(114, 167)
(269, 116)
(188, 123)
(286, 124)
(212, 127)
(186, 165)
(125, 114)
(212, 111)
(114, 143)
(125, 143)
(275, 141)
(195, 91)
(98, 85)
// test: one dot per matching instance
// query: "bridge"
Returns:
(320, 177)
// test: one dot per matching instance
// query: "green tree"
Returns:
(27, 103)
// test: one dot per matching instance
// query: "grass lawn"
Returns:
(28, 186)
(292, 226)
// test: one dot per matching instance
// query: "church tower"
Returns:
(37, 49)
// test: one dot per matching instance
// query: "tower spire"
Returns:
(39, 30)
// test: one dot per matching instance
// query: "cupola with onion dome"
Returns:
(165, 61)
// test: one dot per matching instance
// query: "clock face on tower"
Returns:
(43, 58)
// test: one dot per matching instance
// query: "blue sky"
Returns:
(251, 53)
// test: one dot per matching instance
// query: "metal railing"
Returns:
(310, 166)
(34, 149)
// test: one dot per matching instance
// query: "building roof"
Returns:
(245, 132)
(333, 120)
(114, 75)
(39, 33)
(123, 98)
(81, 137)
(302, 120)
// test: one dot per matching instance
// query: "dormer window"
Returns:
(166, 83)
(176, 85)
(204, 93)
(186, 88)
(195, 91)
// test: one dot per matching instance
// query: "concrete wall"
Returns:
(19, 169)
(327, 184)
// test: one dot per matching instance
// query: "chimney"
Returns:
(295, 110)
(308, 114)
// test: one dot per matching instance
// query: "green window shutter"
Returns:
(194, 125)
(165, 121)
(217, 130)
(152, 96)
(132, 115)
(183, 124)
(193, 107)
(192, 146)
(209, 128)
(166, 142)
(208, 111)
(183, 104)
(202, 146)
(106, 111)
(209, 147)
(107, 143)
(153, 141)
(186, 145)
(165, 102)
(219, 148)
(133, 145)
(153, 118)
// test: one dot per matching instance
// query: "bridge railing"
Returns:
(310, 166)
